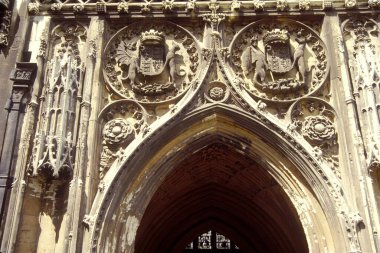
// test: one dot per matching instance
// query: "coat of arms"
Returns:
(149, 64)
(278, 61)
(277, 51)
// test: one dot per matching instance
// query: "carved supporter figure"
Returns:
(170, 59)
(253, 56)
(299, 61)
(129, 57)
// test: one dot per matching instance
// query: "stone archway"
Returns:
(120, 207)
(218, 187)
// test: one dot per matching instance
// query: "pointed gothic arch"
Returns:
(119, 206)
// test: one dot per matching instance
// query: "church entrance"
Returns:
(220, 199)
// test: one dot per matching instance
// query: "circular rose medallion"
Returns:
(117, 131)
(318, 129)
(279, 60)
(216, 91)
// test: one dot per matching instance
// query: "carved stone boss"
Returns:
(53, 144)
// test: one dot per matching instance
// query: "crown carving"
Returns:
(152, 37)
(276, 35)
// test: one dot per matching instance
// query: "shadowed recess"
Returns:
(218, 188)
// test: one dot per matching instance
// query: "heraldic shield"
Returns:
(152, 54)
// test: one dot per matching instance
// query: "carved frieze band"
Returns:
(175, 6)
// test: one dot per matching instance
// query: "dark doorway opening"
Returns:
(220, 188)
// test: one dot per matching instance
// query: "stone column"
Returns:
(76, 206)
(354, 160)
(31, 117)
(23, 77)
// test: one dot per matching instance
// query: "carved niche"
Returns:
(52, 154)
(151, 62)
(279, 61)
(362, 34)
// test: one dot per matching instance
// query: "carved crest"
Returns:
(149, 62)
(152, 53)
(279, 61)
(277, 51)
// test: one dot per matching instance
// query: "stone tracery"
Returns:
(54, 142)
(363, 34)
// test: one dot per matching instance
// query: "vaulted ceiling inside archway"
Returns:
(218, 187)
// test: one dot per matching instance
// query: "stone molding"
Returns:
(233, 7)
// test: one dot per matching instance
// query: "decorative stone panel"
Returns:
(279, 61)
(151, 62)
(54, 146)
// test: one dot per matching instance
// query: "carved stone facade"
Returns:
(149, 123)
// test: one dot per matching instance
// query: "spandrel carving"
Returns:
(54, 143)
(216, 91)
(151, 62)
(279, 61)
(314, 120)
(123, 121)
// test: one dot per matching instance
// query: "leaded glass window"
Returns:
(212, 241)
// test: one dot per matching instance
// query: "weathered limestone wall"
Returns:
(122, 87)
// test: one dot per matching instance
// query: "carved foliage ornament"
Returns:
(374, 3)
(5, 24)
(151, 62)
(124, 120)
(314, 119)
(279, 60)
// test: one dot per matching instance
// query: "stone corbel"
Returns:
(23, 77)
